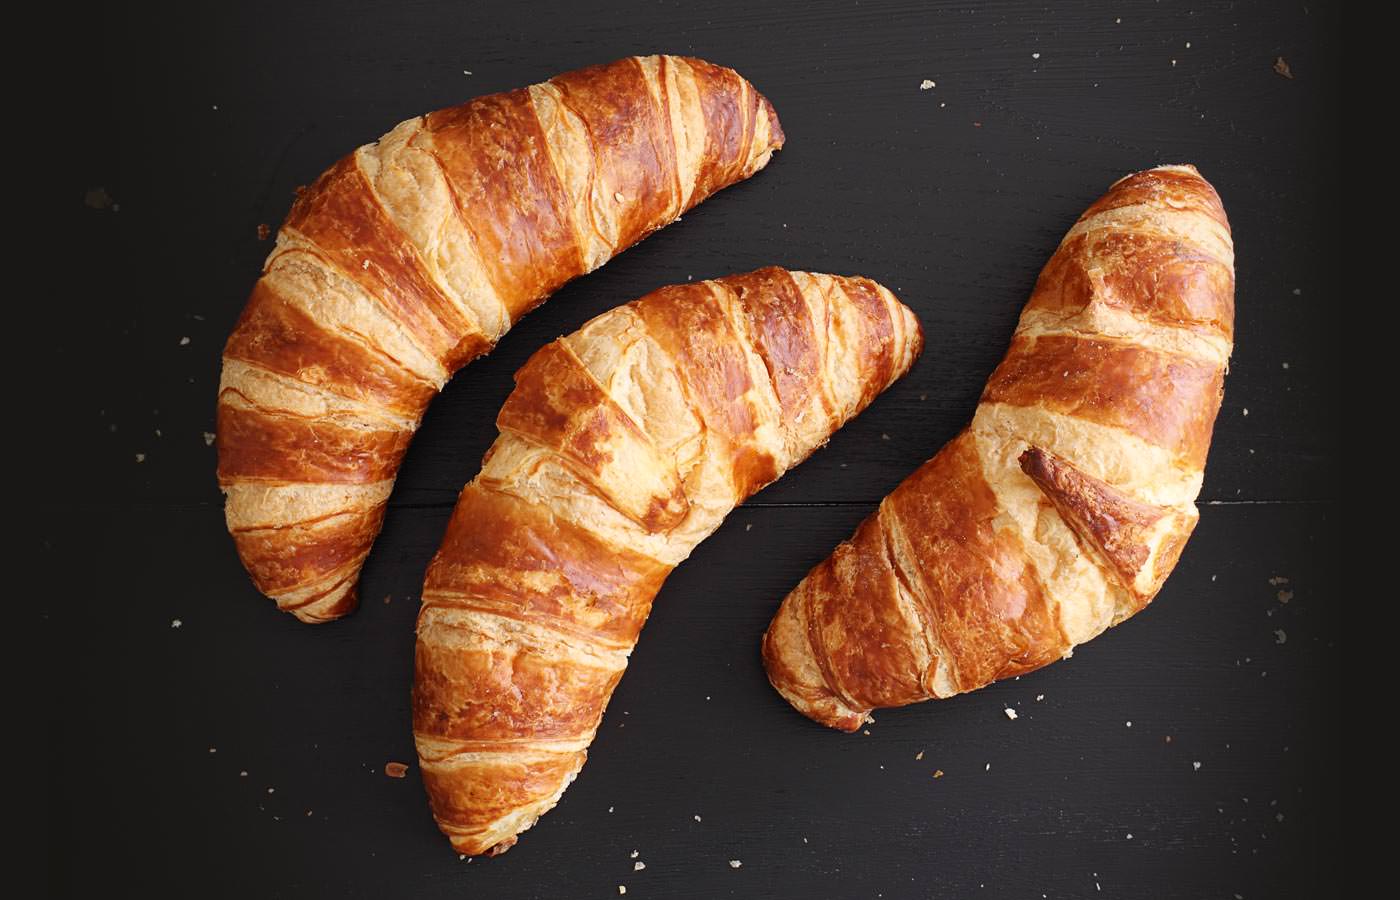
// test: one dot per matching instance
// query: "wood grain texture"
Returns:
(954, 197)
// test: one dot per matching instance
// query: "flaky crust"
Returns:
(1065, 504)
(412, 256)
(622, 447)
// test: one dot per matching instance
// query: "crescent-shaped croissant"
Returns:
(412, 256)
(622, 447)
(1065, 504)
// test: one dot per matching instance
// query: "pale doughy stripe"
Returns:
(457, 628)
(571, 152)
(1191, 225)
(1101, 322)
(306, 281)
(249, 386)
(252, 505)
(1124, 460)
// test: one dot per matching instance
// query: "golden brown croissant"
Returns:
(622, 447)
(412, 256)
(1064, 506)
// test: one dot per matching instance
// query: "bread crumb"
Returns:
(1278, 580)
(617, 195)
(213, 749)
(395, 769)
(1039, 697)
(1281, 67)
(175, 623)
(1010, 713)
(937, 773)
(1035, 56)
(364, 264)
(1196, 766)
(140, 457)
(243, 774)
(622, 888)
(638, 866)
(1285, 596)
(1129, 723)
(263, 231)
(184, 342)
(635, 854)
(919, 755)
(1279, 636)
(209, 438)
(927, 85)
(697, 818)
(989, 768)
(735, 863)
(1130, 837)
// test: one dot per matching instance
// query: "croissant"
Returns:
(412, 256)
(1066, 503)
(622, 446)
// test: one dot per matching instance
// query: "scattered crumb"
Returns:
(1246, 410)
(1129, 723)
(243, 774)
(1010, 713)
(617, 195)
(1278, 580)
(734, 863)
(937, 773)
(1168, 739)
(919, 755)
(98, 198)
(213, 749)
(1278, 817)
(1196, 766)
(466, 71)
(176, 623)
(1035, 55)
(1039, 697)
(184, 342)
(989, 768)
(140, 457)
(697, 818)
(622, 888)
(209, 438)
(395, 769)
(1281, 67)
(1297, 292)
(263, 231)
(610, 809)
(364, 264)
(388, 598)
(865, 731)
(927, 85)
(1130, 837)
(272, 790)
(638, 866)
(1279, 636)
(976, 124)
(1285, 365)
(748, 527)
(635, 854)
(884, 437)
(1285, 596)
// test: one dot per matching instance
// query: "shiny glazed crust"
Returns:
(622, 446)
(1066, 503)
(414, 255)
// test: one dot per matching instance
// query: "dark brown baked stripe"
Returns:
(474, 795)
(276, 335)
(973, 579)
(494, 154)
(783, 333)
(257, 444)
(1159, 278)
(1167, 400)
(282, 559)
(536, 567)
(1176, 190)
(630, 136)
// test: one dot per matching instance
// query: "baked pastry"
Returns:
(412, 256)
(1065, 504)
(622, 446)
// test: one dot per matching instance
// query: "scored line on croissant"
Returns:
(622, 446)
(414, 255)
(1062, 508)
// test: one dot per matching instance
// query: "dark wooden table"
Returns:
(202, 744)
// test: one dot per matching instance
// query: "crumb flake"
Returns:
(927, 84)
(919, 755)
(140, 457)
(735, 863)
(1196, 766)
(937, 773)
(1039, 697)
(622, 888)
(209, 438)
(638, 866)
(1285, 596)
(1010, 713)
(697, 818)
(395, 769)
(184, 341)
(176, 623)
(635, 854)
(1280, 636)
(1281, 67)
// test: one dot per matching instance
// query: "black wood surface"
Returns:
(204, 745)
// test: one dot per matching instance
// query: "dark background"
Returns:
(200, 121)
